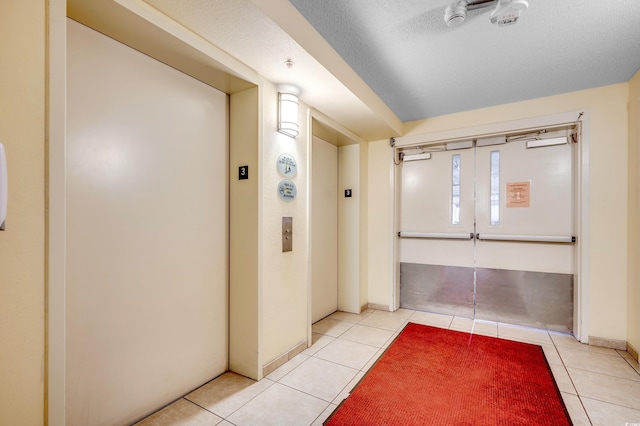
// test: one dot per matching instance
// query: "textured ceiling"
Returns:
(241, 29)
(370, 64)
(421, 68)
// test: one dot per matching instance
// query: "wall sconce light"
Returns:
(288, 114)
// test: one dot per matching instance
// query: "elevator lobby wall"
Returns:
(25, 281)
(22, 244)
(610, 283)
(633, 307)
(284, 274)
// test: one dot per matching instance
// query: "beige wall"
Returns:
(380, 224)
(284, 275)
(22, 254)
(363, 226)
(634, 213)
(244, 285)
(609, 146)
(22, 245)
(349, 229)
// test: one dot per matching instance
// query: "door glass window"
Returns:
(455, 189)
(495, 187)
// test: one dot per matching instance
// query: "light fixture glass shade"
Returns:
(288, 114)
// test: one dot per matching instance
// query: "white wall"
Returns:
(609, 172)
(147, 227)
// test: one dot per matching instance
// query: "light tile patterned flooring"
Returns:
(600, 386)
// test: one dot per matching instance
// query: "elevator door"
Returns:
(486, 233)
(146, 233)
(324, 231)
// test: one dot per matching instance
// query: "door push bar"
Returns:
(437, 235)
(558, 239)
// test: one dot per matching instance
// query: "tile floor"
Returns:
(600, 386)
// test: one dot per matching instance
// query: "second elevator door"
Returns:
(324, 230)
(470, 219)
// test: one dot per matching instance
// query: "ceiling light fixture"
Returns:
(288, 114)
(507, 12)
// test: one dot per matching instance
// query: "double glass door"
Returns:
(486, 230)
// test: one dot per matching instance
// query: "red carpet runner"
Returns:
(433, 376)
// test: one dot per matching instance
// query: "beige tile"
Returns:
(373, 360)
(486, 328)
(181, 413)
(349, 317)
(481, 327)
(523, 334)
(347, 389)
(279, 406)
(612, 365)
(367, 335)
(604, 414)
(287, 367)
(562, 379)
(319, 342)
(551, 353)
(347, 353)
(400, 313)
(434, 320)
(331, 327)
(385, 321)
(391, 339)
(320, 378)
(630, 360)
(576, 410)
(601, 387)
(569, 341)
(324, 415)
(563, 339)
(227, 393)
(462, 324)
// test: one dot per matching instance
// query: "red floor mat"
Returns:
(433, 376)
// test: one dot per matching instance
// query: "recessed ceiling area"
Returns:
(372, 65)
(246, 32)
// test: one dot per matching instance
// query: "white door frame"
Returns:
(581, 288)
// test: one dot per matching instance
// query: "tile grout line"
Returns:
(584, 409)
(313, 396)
(204, 408)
